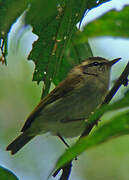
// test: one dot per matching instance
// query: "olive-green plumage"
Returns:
(64, 111)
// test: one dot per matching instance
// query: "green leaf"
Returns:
(117, 126)
(54, 23)
(6, 174)
(113, 23)
(10, 10)
(55, 27)
(74, 54)
(54, 33)
(122, 103)
(94, 3)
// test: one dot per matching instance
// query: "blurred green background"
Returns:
(19, 95)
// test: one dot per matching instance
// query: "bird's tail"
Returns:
(18, 143)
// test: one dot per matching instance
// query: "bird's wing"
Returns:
(63, 89)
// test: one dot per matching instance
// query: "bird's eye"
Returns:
(95, 63)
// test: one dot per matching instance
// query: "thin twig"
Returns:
(66, 171)
(123, 80)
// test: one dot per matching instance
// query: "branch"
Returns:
(123, 80)
(66, 171)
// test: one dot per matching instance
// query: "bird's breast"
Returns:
(66, 116)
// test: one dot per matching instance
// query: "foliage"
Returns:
(55, 24)
(59, 47)
(6, 174)
(117, 126)
(112, 23)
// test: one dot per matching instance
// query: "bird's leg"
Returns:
(62, 139)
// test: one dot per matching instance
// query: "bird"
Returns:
(65, 110)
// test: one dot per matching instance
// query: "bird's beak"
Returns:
(113, 61)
